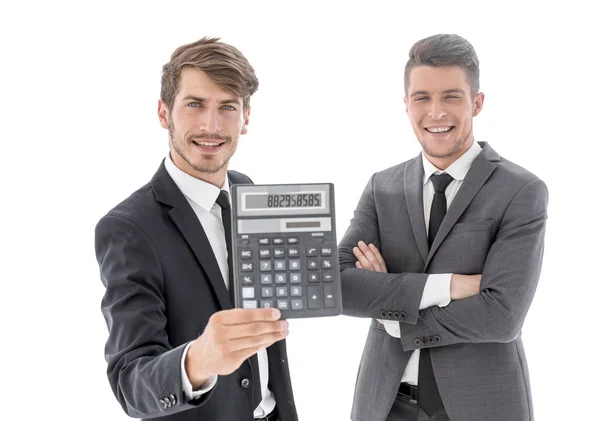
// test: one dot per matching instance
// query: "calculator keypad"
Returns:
(282, 273)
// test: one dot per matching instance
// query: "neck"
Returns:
(217, 179)
(443, 162)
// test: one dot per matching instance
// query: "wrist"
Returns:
(195, 373)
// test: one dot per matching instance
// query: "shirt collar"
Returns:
(458, 169)
(200, 192)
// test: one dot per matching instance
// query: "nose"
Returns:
(210, 121)
(436, 111)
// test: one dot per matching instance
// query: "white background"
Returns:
(79, 132)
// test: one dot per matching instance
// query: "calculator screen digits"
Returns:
(302, 200)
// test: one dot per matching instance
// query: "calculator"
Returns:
(284, 249)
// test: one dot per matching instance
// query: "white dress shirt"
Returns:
(202, 198)
(437, 287)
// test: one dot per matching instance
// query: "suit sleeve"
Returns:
(509, 280)
(372, 294)
(144, 370)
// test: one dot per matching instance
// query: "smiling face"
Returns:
(441, 107)
(204, 126)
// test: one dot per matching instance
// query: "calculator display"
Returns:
(284, 200)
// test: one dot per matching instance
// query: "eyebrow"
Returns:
(447, 91)
(223, 102)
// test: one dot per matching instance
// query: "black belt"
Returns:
(271, 417)
(409, 391)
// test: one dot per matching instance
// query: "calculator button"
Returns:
(326, 264)
(248, 292)
(265, 266)
(250, 303)
(296, 291)
(294, 264)
(313, 277)
(329, 296)
(266, 279)
(247, 267)
(314, 297)
(266, 292)
(281, 291)
(247, 279)
(326, 251)
(293, 252)
(327, 277)
(245, 242)
(246, 254)
(312, 264)
(266, 304)
(311, 251)
(280, 278)
(279, 252)
(263, 241)
(278, 241)
(296, 304)
(292, 240)
(295, 278)
(282, 304)
(279, 264)
(264, 253)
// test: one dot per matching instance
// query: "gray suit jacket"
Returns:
(494, 226)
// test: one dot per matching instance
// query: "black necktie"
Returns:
(225, 204)
(429, 397)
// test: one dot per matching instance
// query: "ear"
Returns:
(246, 115)
(163, 114)
(478, 103)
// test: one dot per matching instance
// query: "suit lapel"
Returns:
(481, 169)
(182, 214)
(413, 190)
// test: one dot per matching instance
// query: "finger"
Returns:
(254, 329)
(380, 321)
(256, 342)
(369, 256)
(239, 316)
(378, 256)
(358, 265)
(364, 262)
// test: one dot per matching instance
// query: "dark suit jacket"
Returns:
(162, 285)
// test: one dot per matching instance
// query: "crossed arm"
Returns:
(495, 313)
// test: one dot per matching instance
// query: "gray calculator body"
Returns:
(285, 250)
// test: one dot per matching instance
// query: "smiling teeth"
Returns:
(207, 144)
(438, 129)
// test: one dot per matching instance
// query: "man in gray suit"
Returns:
(445, 250)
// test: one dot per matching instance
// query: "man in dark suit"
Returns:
(176, 348)
(461, 232)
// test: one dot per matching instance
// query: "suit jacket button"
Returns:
(383, 314)
(162, 404)
(424, 340)
(437, 339)
(402, 315)
(246, 383)
(173, 399)
(396, 315)
(430, 340)
(417, 342)
(390, 314)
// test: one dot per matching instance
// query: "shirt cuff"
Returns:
(437, 291)
(187, 385)
(392, 327)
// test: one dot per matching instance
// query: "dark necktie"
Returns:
(429, 397)
(225, 204)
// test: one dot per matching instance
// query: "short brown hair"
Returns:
(444, 50)
(224, 64)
